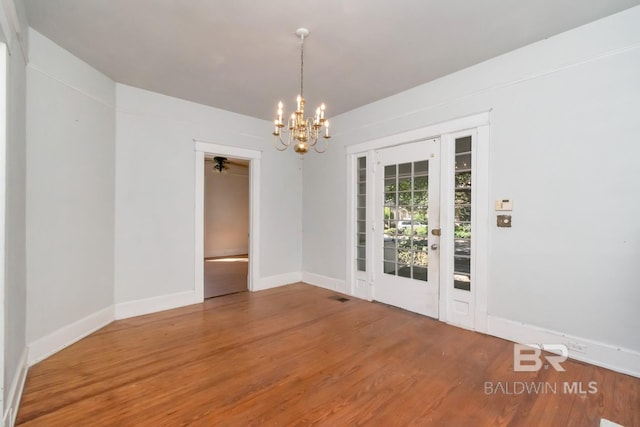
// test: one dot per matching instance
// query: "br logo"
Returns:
(528, 357)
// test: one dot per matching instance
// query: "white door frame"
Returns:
(480, 122)
(3, 188)
(202, 148)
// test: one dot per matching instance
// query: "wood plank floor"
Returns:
(225, 275)
(293, 356)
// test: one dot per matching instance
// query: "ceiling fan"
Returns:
(221, 163)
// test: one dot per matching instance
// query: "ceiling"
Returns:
(243, 55)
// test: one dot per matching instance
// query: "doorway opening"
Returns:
(242, 157)
(226, 225)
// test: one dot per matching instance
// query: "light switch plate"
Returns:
(504, 205)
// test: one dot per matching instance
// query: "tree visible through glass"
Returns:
(406, 222)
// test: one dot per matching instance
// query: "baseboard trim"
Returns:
(15, 391)
(617, 359)
(46, 346)
(277, 280)
(140, 307)
(325, 282)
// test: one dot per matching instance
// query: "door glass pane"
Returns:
(404, 169)
(463, 180)
(404, 256)
(462, 214)
(390, 198)
(389, 253)
(406, 220)
(404, 243)
(420, 258)
(362, 239)
(404, 270)
(462, 247)
(420, 243)
(419, 273)
(420, 200)
(362, 170)
(361, 214)
(420, 183)
(390, 268)
(389, 185)
(463, 145)
(463, 196)
(463, 162)
(421, 168)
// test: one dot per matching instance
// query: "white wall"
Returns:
(226, 211)
(155, 192)
(564, 147)
(70, 189)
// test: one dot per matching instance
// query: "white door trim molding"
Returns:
(3, 187)
(479, 122)
(482, 209)
(431, 131)
(254, 156)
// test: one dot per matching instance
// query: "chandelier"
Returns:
(299, 131)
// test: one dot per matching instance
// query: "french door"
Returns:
(407, 226)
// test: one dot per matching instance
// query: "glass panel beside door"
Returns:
(462, 215)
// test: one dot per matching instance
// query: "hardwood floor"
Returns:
(225, 275)
(293, 356)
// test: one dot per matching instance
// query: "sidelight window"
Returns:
(361, 214)
(462, 214)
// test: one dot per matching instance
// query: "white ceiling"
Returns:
(243, 55)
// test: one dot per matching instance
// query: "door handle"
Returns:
(434, 246)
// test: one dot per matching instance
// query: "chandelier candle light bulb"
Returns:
(303, 133)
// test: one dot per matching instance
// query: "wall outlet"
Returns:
(577, 347)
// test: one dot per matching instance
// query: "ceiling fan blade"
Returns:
(239, 164)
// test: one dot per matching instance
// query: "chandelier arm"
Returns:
(326, 146)
(284, 145)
